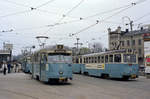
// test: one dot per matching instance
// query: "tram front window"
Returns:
(129, 58)
(59, 59)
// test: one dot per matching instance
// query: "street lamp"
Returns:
(130, 22)
(42, 40)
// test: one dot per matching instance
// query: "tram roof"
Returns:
(107, 52)
(52, 49)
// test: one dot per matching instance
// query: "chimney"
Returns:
(127, 30)
(141, 28)
(109, 30)
(119, 29)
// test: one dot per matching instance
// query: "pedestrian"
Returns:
(4, 66)
(9, 67)
(12, 67)
(17, 67)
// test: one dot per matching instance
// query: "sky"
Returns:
(21, 21)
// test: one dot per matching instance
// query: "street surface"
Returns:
(21, 86)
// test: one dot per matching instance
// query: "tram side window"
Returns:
(80, 60)
(98, 59)
(77, 61)
(110, 58)
(95, 59)
(102, 59)
(117, 58)
(86, 60)
(129, 58)
(106, 59)
(89, 59)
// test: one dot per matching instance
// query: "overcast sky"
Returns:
(46, 15)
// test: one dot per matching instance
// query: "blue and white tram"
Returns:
(53, 64)
(77, 64)
(112, 64)
(26, 64)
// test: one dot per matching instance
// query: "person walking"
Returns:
(4, 66)
(9, 67)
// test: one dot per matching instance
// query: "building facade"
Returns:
(129, 40)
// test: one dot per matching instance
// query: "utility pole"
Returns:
(131, 25)
(78, 44)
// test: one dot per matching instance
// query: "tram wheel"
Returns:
(104, 76)
(86, 73)
(125, 78)
(37, 77)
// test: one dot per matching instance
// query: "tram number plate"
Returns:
(133, 76)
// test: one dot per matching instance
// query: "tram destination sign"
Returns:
(60, 51)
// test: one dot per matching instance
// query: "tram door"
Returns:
(43, 60)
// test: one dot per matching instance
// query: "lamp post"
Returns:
(130, 22)
(42, 40)
(131, 28)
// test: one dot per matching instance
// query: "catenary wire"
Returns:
(133, 4)
(16, 13)
(142, 17)
(50, 1)
(71, 10)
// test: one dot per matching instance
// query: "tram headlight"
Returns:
(60, 72)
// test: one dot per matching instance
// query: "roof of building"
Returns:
(136, 32)
(4, 52)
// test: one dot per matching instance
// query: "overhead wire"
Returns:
(140, 1)
(64, 15)
(127, 7)
(132, 4)
(142, 17)
(50, 1)
(94, 24)
(18, 4)
(30, 28)
(27, 6)
(16, 13)
(67, 14)
(80, 18)
(114, 14)
(84, 29)
(109, 11)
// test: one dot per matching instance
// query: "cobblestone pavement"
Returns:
(21, 86)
